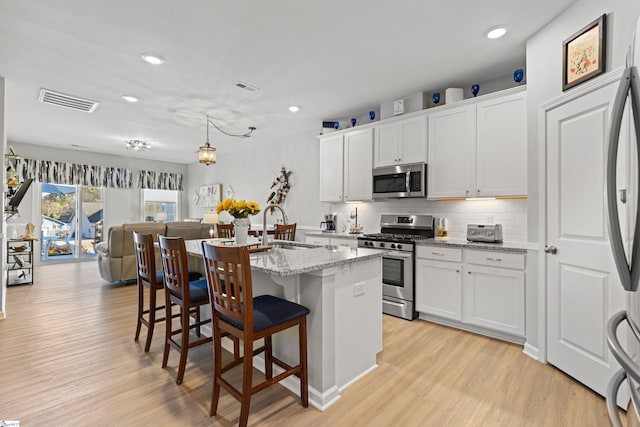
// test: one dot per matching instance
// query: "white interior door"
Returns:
(583, 289)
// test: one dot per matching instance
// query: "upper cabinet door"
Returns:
(400, 142)
(358, 163)
(452, 153)
(501, 146)
(331, 169)
(386, 145)
(412, 146)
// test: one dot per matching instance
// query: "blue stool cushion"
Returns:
(197, 291)
(193, 275)
(269, 311)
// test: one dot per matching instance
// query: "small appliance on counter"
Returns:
(488, 233)
(442, 228)
(329, 223)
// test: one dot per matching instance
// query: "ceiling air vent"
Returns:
(68, 101)
(246, 86)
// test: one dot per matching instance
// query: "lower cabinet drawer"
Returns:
(495, 259)
(439, 253)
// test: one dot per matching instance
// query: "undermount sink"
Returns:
(292, 246)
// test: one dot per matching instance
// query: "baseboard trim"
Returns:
(358, 377)
(320, 401)
(2, 315)
(531, 351)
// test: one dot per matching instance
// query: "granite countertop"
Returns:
(338, 235)
(279, 261)
(462, 243)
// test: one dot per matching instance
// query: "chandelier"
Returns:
(207, 153)
(137, 145)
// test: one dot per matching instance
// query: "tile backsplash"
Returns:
(512, 214)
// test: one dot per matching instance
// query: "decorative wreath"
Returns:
(282, 182)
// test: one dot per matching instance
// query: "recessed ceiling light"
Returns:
(294, 108)
(496, 32)
(130, 98)
(152, 58)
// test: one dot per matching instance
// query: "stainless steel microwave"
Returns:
(400, 181)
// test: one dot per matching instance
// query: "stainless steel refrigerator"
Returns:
(625, 245)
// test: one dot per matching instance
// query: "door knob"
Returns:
(551, 250)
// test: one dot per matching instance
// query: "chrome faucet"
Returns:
(265, 236)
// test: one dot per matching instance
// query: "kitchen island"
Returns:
(341, 286)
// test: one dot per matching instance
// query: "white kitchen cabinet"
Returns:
(439, 281)
(452, 153)
(331, 168)
(478, 149)
(473, 289)
(439, 288)
(400, 142)
(493, 290)
(494, 298)
(358, 163)
(501, 150)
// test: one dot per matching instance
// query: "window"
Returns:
(71, 220)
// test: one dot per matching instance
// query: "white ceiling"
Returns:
(333, 58)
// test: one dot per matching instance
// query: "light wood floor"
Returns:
(67, 358)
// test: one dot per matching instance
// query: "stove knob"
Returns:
(369, 243)
(399, 246)
(382, 245)
(393, 246)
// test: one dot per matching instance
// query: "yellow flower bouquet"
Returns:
(239, 208)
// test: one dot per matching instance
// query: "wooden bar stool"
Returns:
(225, 231)
(188, 296)
(152, 279)
(147, 278)
(285, 232)
(236, 312)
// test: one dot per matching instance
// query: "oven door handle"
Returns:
(398, 255)
(397, 304)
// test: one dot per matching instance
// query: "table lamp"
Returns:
(210, 218)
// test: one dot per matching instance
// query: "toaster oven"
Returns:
(489, 233)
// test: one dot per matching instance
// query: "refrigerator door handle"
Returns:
(612, 396)
(629, 274)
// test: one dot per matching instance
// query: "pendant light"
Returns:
(206, 153)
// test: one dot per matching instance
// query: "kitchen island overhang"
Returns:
(342, 288)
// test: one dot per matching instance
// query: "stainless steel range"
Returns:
(398, 234)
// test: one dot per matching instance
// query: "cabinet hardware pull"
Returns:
(494, 259)
(437, 253)
(457, 271)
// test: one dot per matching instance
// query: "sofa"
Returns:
(117, 256)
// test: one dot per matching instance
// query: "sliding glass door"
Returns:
(71, 221)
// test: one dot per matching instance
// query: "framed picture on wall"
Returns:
(584, 53)
(209, 196)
